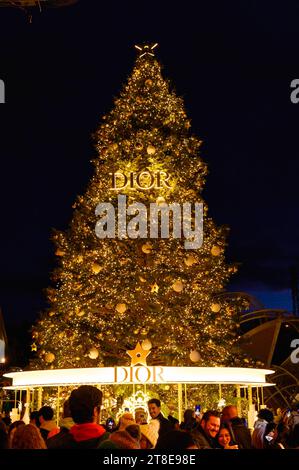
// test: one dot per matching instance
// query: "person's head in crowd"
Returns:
(3, 436)
(210, 423)
(27, 437)
(175, 422)
(7, 419)
(12, 428)
(45, 414)
(224, 438)
(189, 421)
(140, 416)
(34, 418)
(177, 440)
(85, 404)
(189, 415)
(149, 434)
(266, 415)
(125, 420)
(66, 409)
(126, 439)
(154, 407)
(3, 425)
(134, 431)
(229, 412)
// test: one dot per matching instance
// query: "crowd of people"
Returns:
(80, 428)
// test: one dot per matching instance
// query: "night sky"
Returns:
(232, 62)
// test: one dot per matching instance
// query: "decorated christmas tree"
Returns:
(110, 293)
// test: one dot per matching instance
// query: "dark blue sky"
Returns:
(231, 61)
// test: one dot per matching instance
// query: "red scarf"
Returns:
(86, 431)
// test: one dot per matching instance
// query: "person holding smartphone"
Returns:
(270, 437)
(110, 425)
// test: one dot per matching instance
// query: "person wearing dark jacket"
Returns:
(47, 424)
(154, 408)
(206, 431)
(85, 404)
(189, 422)
(239, 432)
(65, 425)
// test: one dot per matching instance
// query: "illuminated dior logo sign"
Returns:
(2, 92)
(141, 180)
(138, 374)
(152, 222)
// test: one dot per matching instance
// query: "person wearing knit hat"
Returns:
(149, 434)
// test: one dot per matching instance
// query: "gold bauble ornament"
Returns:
(49, 357)
(93, 353)
(148, 82)
(141, 279)
(146, 344)
(195, 356)
(190, 260)
(96, 268)
(136, 332)
(215, 308)
(177, 286)
(51, 314)
(147, 248)
(121, 308)
(143, 331)
(80, 313)
(216, 250)
(151, 150)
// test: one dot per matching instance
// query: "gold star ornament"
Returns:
(138, 355)
(146, 49)
(154, 288)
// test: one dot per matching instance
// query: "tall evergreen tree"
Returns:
(108, 294)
